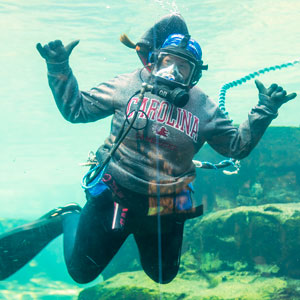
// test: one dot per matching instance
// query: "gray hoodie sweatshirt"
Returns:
(158, 157)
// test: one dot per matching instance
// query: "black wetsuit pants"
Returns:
(90, 242)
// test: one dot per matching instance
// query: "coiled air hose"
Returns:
(222, 94)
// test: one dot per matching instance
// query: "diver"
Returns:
(144, 187)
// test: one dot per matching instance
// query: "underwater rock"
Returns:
(131, 285)
(227, 286)
(270, 174)
(263, 239)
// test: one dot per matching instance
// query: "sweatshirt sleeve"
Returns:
(238, 142)
(78, 106)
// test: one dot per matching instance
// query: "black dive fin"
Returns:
(20, 245)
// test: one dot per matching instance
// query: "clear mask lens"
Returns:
(175, 68)
(170, 73)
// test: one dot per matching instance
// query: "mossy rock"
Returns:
(128, 293)
(129, 286)
(266, 235)
(228, 286)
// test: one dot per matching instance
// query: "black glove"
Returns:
(55, 52)
(274, 96)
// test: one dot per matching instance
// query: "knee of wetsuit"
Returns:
(165, 277)
(83, 275)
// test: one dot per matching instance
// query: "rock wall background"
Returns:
(270, 174)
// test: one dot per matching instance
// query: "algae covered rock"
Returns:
(129, 286)
(263, 238)
(229, 286)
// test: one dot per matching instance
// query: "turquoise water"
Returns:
(40, 152)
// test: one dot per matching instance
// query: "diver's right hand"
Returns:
(56, 52)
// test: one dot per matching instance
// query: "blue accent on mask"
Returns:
(193, 46)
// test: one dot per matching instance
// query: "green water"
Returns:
(40, 152)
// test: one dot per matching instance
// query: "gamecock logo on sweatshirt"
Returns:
(161, 131)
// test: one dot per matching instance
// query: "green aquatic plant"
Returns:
(240, 266)
(256, 190)
(211, 279)
(207, 298)
(267, 270)
(291, 292)
(210, 262)
(189, 261)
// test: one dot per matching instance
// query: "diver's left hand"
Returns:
(275, 94)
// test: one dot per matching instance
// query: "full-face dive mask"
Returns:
(169, 37)
(177, 68)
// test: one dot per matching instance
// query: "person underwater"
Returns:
(140, 179)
